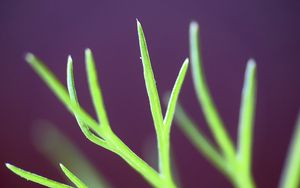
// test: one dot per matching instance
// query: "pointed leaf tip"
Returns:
(194, 26)
(29, 57)
(138, 23)
(70, 60)
(186, 61)
(251, 62)
(89, 59)
(251, 67)
(88, 52)
(8, 165)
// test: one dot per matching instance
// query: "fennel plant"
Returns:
(234, 162)
(99, 131)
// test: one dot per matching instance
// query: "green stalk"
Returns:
(135, 161)
(291, 174)
(165, 140)
(242, 180)
(162, 125)
(235, 165)
(246, 123)
(204, 97)
(95, 91)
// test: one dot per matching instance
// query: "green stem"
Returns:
(135, 161)
(204, 97)
(164, 159)
(243, 181)
(240, 176)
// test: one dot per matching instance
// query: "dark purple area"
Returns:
(231, 33)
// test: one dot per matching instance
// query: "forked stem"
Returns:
(162, 125)
(237, 161)
(121, 149)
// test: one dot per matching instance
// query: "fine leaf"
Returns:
(174, 96)
(95, 89)
(247, 109)
(206, 102)
(72, 92)
(291, 175)
(60, 91)
(73, 96)
(36, 178)
(150, 81)
(72, 177)
(163, 138)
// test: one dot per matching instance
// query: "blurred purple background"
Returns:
(231, 32)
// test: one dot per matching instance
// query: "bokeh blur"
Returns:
(231, 33)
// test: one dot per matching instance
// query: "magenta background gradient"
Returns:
(231, 33)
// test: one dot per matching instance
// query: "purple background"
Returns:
(231, 32)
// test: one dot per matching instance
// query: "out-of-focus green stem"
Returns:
(235, 165)
(291, 174)
(56, 146)
(204, 97)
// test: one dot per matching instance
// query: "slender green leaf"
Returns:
(36, 178)
(291, 175)
(73, 96)
(203, 145)
(247, 109)
(60, 91)
(163, 138)
(72, 177)
(211, 114)
(174, 96)
(150, 80)
(95, 89)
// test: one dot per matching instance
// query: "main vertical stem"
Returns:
(134, 161)
(165, 169)
(244, 182)
(243, 179)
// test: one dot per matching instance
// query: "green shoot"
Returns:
(95, 89)
(150, 81)
(246, 117)
(205, 100)
(72, 177)
(174, 96)
(99, 132)
(236, 166)
(36, 178)
(162, 127)
(291, 174)
(73, 96)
